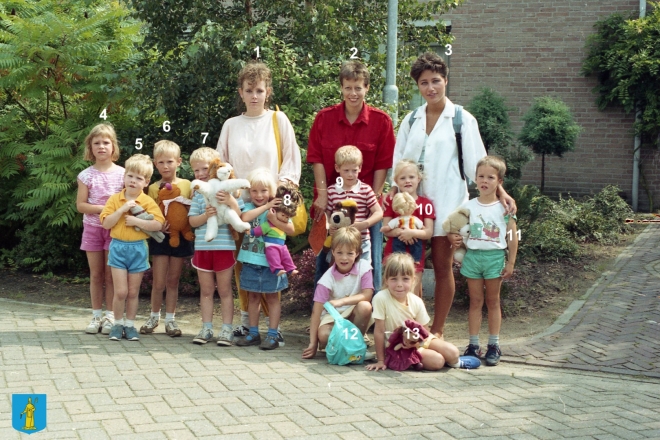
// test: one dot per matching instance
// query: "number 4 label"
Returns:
(104, 114)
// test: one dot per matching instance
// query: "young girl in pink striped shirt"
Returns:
(95, 185)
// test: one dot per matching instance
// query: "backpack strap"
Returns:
(411, 121)
(332, 311)
(457, 122)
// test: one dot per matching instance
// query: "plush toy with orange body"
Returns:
(175, 209)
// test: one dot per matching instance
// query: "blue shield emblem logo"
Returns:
(28, 412)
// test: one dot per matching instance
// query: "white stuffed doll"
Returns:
(222, 178)
(458, 222)
(404, 204)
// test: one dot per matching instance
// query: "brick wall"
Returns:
(533, 48)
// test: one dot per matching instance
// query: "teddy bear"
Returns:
(221, 178)
(343, 215)
(175, 209)
(141, 213)
(458, 222)
(401, 350)
(405, 205)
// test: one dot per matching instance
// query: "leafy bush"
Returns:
(300, 293)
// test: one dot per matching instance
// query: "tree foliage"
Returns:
(491, 112)
(624, 55)
(549, 129)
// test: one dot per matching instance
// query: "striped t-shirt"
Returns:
(364, 198)
(100, 186)
(223, 241)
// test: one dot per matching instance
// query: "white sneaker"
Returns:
(204, 336)
(369, 356)
(94, 326)
(225, 338)
(150, 325)
(106, 325)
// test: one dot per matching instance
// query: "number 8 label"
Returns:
(287, 199)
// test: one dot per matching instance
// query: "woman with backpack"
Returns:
(444, 139)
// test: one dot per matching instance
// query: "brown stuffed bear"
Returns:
(175, 209)
(343, 215)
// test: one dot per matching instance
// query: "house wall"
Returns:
(528, 49)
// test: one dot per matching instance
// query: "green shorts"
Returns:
(483, 264)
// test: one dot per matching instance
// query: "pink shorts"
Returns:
(213, 261)
(95, 239)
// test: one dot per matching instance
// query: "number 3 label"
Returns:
(448, 52)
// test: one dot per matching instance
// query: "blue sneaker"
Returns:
(493, 355)
(131, 333)
(116, 332)
(469, 362)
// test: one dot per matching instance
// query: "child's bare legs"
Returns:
(254, 301)
(134, 281)
(206, 291)
(127, 287)
(438, 353)
(223, 280)
(324, 334)
(476, 292)
(493, 305)
(99, 274)
(275, 308)
(418, 284)
(361, 315)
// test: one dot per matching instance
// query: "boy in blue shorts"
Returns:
(128, 257)
(484, 264)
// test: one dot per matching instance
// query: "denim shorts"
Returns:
(483, 264)
(260, 279)
(132, 256)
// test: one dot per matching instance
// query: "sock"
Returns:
(228, 327)
(97, 313)
(129, 323)
(268, 321)
(156, 315)
(110, 315)
(245, 319)
(169, 317)
(272, 332)
(494, 340)
(456, 365)
(254, 331)
(474, 340)
(119, 321)
(207, 325)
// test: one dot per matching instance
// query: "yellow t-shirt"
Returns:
(394, 313)
(128, 233)
(183, 184)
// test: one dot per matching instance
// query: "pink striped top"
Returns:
(364, 198)
(100, 186)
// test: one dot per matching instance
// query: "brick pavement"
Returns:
(617, 330)
(165, 388)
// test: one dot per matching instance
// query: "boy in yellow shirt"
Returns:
(128, 256)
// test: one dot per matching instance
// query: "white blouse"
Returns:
(442, 179)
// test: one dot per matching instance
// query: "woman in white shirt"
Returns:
(430, 141)
(248, 142)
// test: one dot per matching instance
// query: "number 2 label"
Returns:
(354, 51)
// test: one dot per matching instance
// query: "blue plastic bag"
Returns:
(345, 344)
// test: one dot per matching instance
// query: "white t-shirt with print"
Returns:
(488, 225)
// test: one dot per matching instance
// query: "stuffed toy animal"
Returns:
(221, 178)
(175, 209)
(343, 215)
(402, 351)
(140, 213)
(458, 222)
(404, 205)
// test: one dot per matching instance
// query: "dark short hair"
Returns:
(353, 70)
(429, 61)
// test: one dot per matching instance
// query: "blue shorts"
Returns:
(132, 256)
(483, 264)
(260, 279)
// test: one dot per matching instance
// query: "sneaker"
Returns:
(493, 355)
(204, 336)
(469, 362)
(241, 330)
(269, 343)
(106, 325)
(369, 356)
(94, 326)
(473, 350)
(131, 333)
(280, 338)
(225, 338)
(172, 329)
(116, 332)
(248, 340)
(368, 341)
(149, 326)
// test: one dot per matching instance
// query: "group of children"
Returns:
(116, 245)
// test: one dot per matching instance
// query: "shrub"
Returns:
(300, 293)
